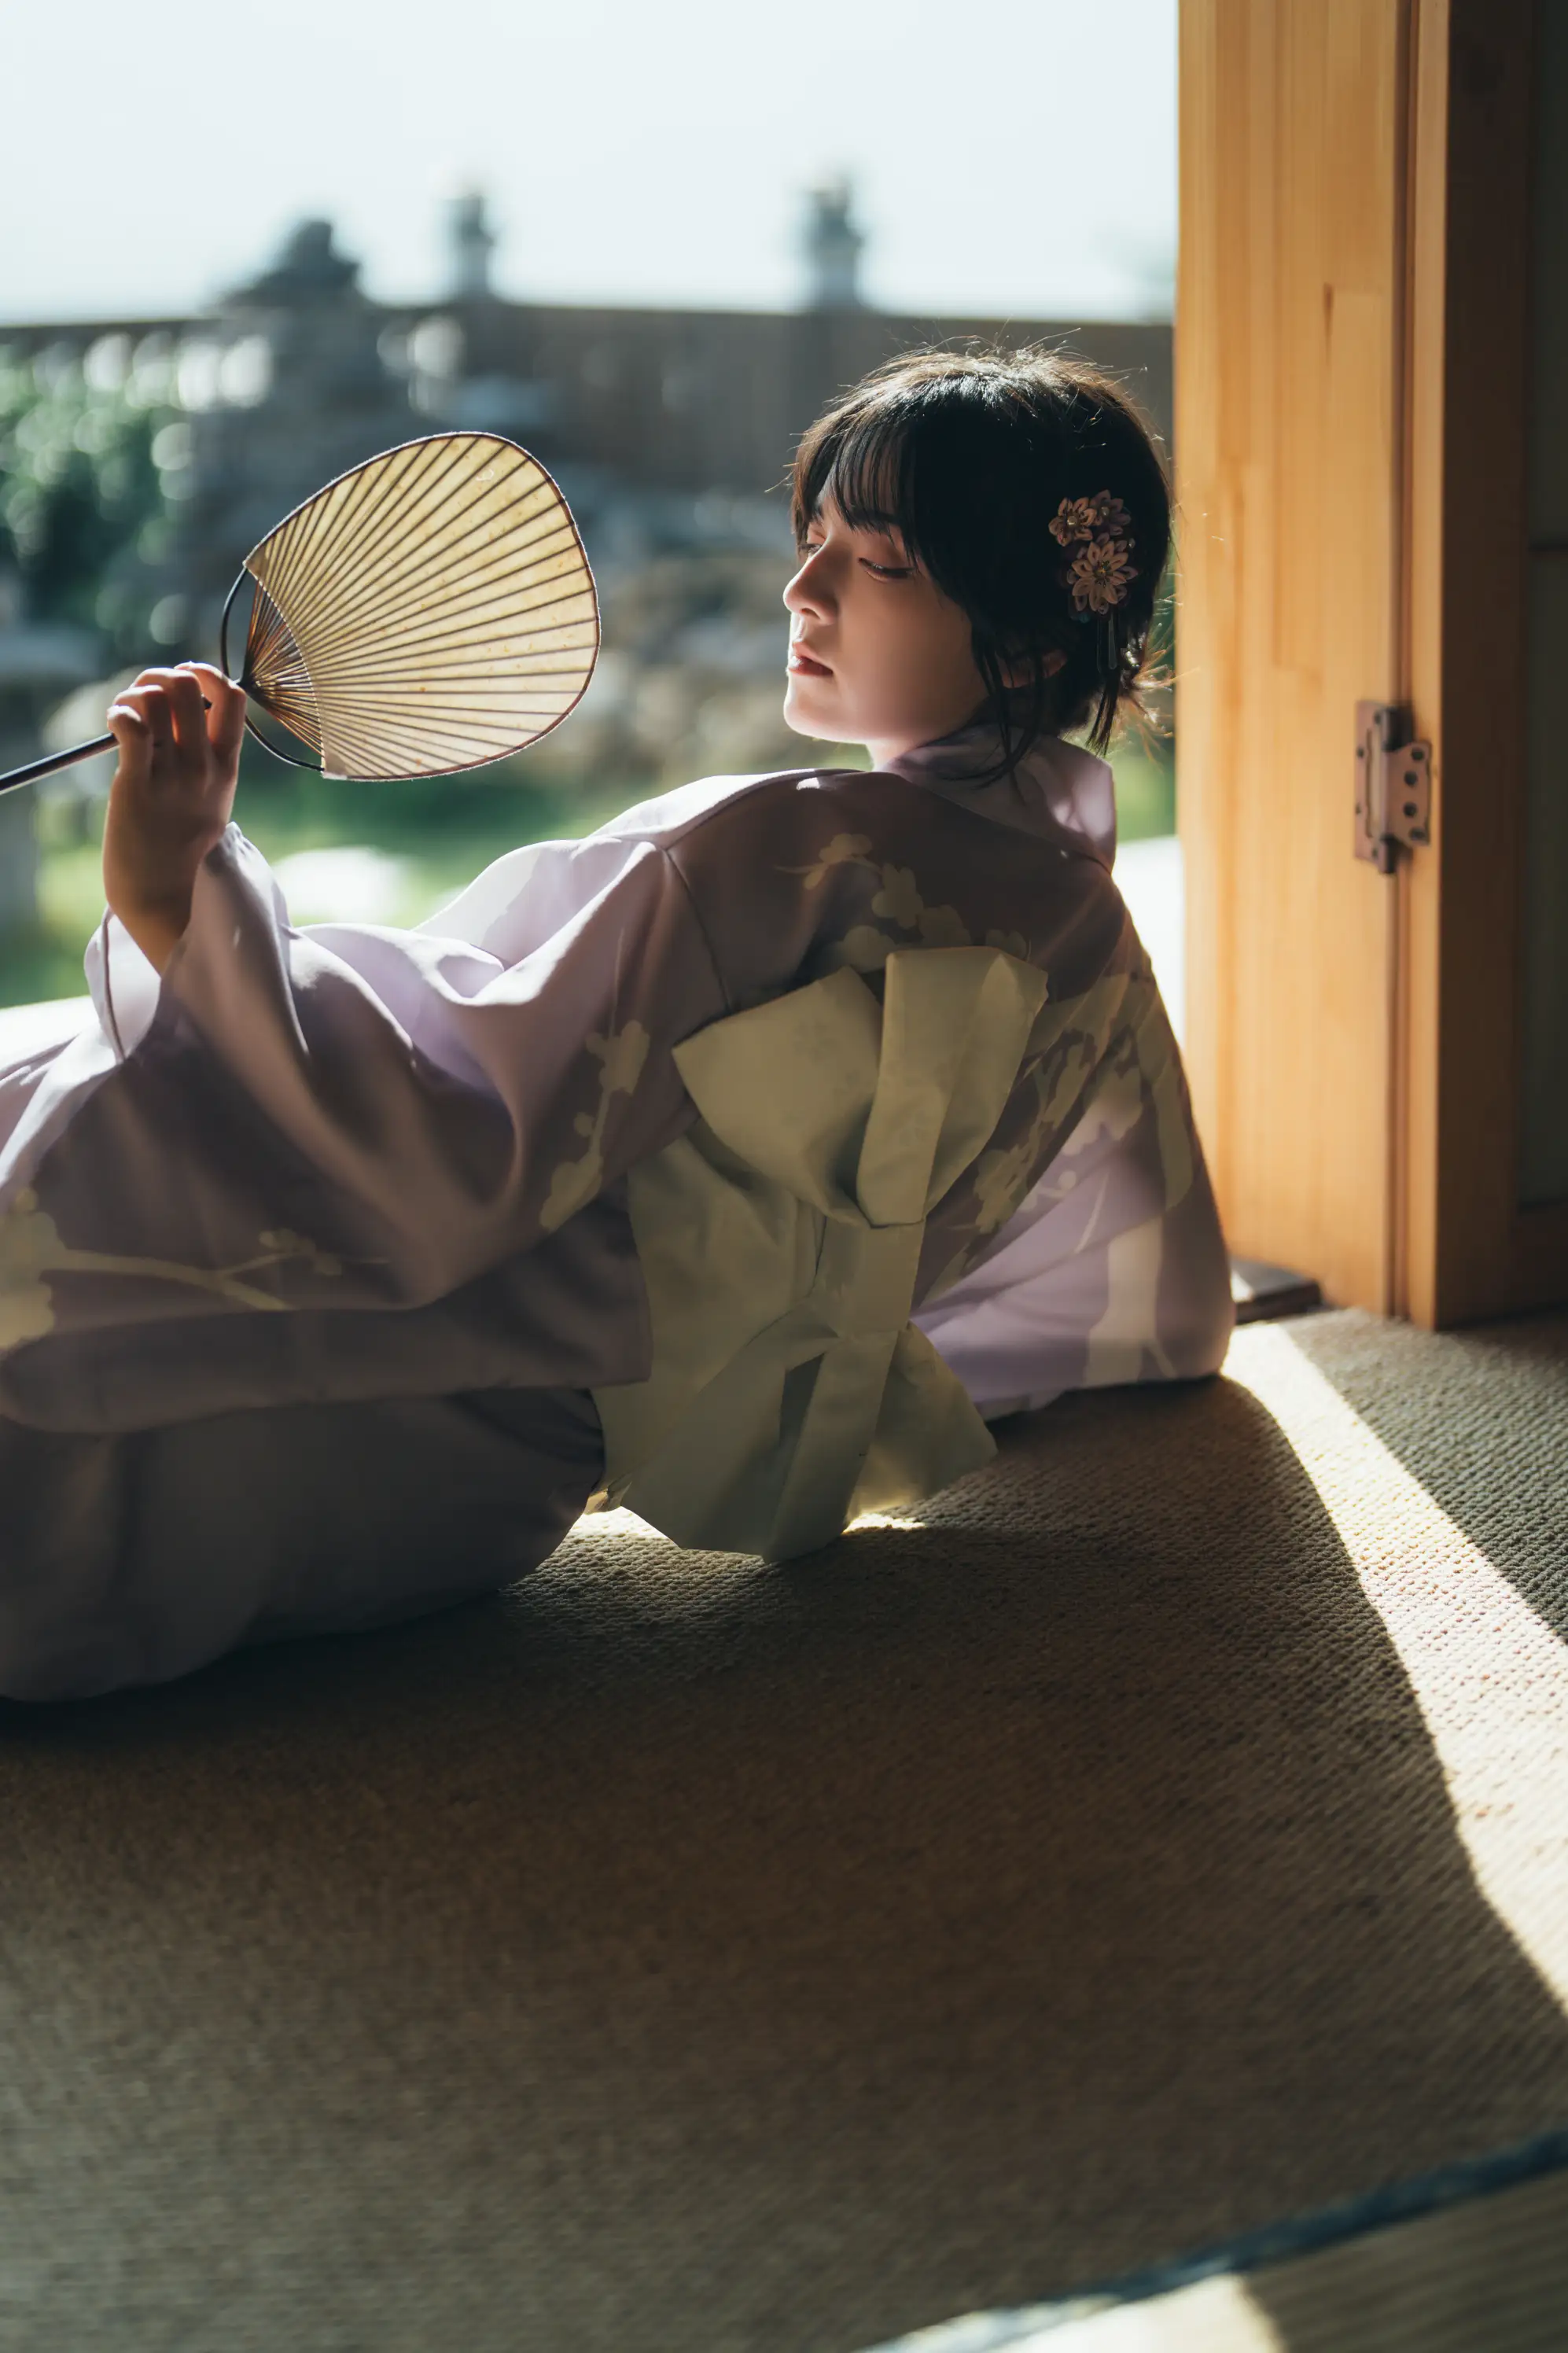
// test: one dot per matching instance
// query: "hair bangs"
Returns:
(865, 462)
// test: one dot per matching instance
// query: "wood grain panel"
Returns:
(1473, 1251)
(1289, 455)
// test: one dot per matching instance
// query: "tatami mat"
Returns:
(1165, 1836)
(1490, 2275)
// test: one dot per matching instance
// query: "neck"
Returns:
(1061, 791)
(888, 748)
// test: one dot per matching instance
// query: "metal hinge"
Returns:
(1393, 785)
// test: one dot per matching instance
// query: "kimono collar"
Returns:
(1059, 792)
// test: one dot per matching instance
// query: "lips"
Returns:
(806, 665)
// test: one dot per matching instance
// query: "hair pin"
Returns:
(1099, 576)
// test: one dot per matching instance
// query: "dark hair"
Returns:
(969, 455)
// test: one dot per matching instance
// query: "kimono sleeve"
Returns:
(422, 1110)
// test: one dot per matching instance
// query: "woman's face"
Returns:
(878, 655)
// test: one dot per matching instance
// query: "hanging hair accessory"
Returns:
(1099, 576)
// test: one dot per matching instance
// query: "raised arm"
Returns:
(179, 732)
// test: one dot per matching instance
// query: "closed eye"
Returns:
(888, 571)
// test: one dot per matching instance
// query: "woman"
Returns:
(328, 1261)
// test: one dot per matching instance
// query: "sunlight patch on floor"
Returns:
(1490, 1677)
(615, 1524)
(1215, 2316)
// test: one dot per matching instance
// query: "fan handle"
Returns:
(52, 762)
(55, 761)
(46, 767)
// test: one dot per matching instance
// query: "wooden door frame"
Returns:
(1392, 1167)
(1289, 437)
(1470, 1249)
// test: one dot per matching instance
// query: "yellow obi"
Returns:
(780, 1239)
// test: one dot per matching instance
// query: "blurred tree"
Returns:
(84, 520)
(84, 526)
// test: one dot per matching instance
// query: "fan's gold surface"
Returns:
(431, 610)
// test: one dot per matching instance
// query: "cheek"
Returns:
(904, 660)
(934, 658)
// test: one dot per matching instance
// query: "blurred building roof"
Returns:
(296, 375)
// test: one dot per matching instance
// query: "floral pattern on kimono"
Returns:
(349, 1162)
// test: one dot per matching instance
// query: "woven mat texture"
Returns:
(675, 1956)
(1489, 2277)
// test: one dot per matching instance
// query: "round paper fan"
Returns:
(429, 610)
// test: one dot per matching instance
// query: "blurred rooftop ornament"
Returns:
(832, 245)
(470, 241)
(309, 268)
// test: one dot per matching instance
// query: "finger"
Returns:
(201, 672)
(150, 706)
(154, 706)
(133, 736)
(226, 716)
(187, 711)
(163, 678)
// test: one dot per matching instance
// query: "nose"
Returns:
(807, 593)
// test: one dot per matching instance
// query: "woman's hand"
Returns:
(179, 733)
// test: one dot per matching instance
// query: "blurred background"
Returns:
(238, 255)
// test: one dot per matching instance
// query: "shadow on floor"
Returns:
(675, 1952)
(1480, 1418)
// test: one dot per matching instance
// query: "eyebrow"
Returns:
(867, 518)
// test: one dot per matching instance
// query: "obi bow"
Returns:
(780, 1240)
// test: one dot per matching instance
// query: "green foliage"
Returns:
(83, 511)
(447, 831)
(1145, 790)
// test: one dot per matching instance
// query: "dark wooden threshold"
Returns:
(1262, 1291)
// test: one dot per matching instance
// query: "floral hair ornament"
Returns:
(1099, 575)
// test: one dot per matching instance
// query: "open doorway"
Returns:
(1368, 521)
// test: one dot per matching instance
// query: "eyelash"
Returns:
(882, 571)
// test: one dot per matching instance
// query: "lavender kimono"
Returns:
(310, 1251)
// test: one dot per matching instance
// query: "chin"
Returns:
(809, 714)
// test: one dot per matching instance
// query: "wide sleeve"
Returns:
(402, 1110)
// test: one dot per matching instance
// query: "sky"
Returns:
(1008, 157)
